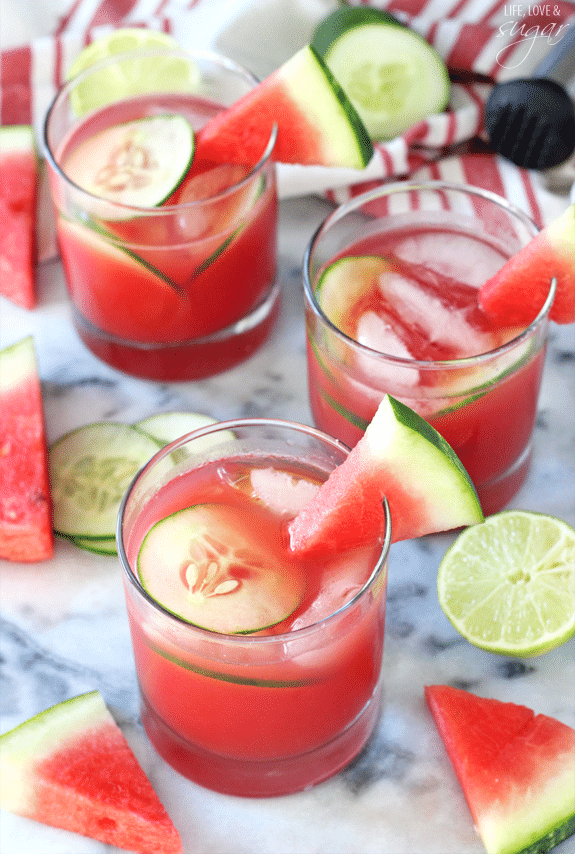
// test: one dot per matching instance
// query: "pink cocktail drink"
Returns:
(391, 285)
(270, 708)
(175, 287)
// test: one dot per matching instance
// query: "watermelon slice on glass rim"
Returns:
(402, 457)
(516, 769)
(317, 123)
(71, 767)
(515, 294)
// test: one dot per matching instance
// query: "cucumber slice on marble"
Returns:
(207, 565)
(392, 76)
(138, 163)
(90, 469)
(166, 427)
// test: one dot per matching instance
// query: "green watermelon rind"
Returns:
(18, 362)
(25, 745)
(360, 136)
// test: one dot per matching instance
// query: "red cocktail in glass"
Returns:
(391, 282)
(171, 288)
(284, 700)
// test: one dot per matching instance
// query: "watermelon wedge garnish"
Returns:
(317, 124)
(18, 188)
(71, 767)
(516, 294)
(25, 506)
(516, 769)
(400, 456)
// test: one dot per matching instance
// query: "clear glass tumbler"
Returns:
(452, 238)
(187, 286)
(283, 708)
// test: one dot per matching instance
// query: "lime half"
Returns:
(130, 75)
(508, 584)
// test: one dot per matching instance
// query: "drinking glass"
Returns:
(179, 290)
(484, 405)
(270, 712)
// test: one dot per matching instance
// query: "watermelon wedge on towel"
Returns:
(18, 188)
(516, 769)
(25, 505)
(317, 123)
(71, 767)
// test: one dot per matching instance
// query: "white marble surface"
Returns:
(64, 629)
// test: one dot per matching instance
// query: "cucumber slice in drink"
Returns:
(346, 281)
(392, 76)
(90, 469)
(207, 565)
(138, 163)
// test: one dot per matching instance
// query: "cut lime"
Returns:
(130, 75)
(508, 584)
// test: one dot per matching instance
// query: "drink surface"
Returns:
(424, 307)
(218, 707)
(191, 267)
(264, 497)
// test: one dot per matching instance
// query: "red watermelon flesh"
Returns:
(516, 294)
(25, 506)
(516, 769)
(400, 456)
(71, 767)
(18, 187)
(316, 122)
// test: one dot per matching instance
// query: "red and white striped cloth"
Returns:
(482, 42)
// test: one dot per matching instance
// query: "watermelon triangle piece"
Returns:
(71, 767)
(18, 189)
(317, 123)
(516, 769)
(25, 507)
(402, 457)
(515, 294)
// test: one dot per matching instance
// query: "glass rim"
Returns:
(240, 639)
(408, 186)
(159, 210)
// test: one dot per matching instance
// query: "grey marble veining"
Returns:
(64, 630)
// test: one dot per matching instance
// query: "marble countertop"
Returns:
(64, 630)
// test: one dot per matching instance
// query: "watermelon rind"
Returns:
(316, 122)
(50, 766)
(37, 738)
(402, 458)
(516, 769)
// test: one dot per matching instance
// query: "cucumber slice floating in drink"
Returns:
(90, 469)
(138, 163)
(392, 76)
(207, 565)
(346, 281)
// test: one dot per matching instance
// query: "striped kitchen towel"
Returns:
(482, 42)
